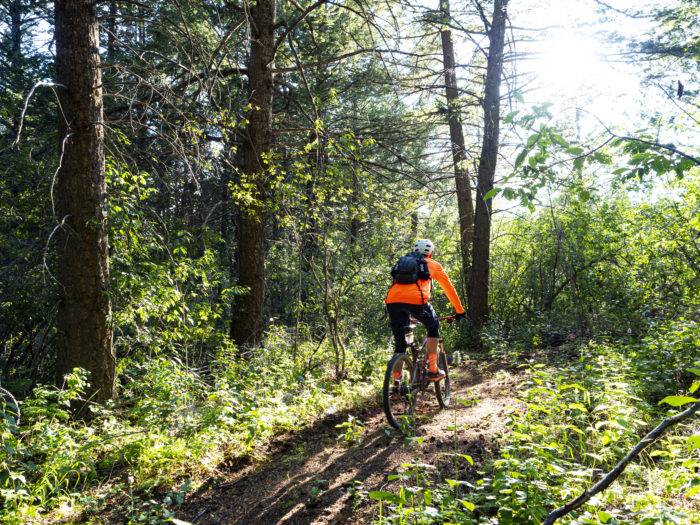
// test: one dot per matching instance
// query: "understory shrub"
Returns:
(573, 422)
(171, 427)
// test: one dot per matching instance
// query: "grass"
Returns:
(170, 430)
(173, 427)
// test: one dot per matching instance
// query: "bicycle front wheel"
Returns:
(443, 390)
(398, 393)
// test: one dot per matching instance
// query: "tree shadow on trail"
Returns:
(301, 468)
(294, 502)
(309, 477)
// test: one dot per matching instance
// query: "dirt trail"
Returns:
(306, 479)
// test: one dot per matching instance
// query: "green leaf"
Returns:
(383, 495)
(677, 401)
(604, 516)
(458, 482)
(521, 157)
(492, 193)
(556, 137)
(509, 193)
(694, 386)
(695, 371)
(467, 505)
(693, 491)
(532, 140)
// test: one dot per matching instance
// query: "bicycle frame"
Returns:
(419, 354)
(400, 396)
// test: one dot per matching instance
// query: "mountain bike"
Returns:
(402, 396)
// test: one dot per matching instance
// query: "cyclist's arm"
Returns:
(438, 273)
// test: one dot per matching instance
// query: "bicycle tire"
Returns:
(443, 388)
(393, 417)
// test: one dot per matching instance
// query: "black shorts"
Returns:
(399, 317)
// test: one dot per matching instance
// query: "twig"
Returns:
(611, 476)
(668, 147)
(7, 393)
(52, 85)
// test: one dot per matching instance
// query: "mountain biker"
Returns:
(404, 301)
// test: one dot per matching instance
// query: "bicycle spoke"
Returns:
(398, 392)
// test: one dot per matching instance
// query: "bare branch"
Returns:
(611, 476)
(292, 25)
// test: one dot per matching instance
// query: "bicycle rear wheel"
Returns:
(398, 394)
(443, 390)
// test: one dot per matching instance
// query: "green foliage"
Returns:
(352, 431)
(595, 265)
(354, 162)
(172, 426)
(572, 423)
(163, 292)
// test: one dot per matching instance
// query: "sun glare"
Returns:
(572, 64)
(569, 65)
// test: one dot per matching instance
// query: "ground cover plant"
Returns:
(576, 419)
(172, 429)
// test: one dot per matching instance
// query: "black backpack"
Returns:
(410, 269)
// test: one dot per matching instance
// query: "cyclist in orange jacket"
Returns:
(412, 300)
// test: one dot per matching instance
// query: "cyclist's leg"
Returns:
(399, 318)
(426, 315)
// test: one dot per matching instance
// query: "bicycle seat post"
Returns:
(408, 334)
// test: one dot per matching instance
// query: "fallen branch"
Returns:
(611, 476)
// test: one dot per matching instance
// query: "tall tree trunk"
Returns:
(247, 325)
(14, 10)
(85, 334)
(479, 279)
(465, 207)
(355, 222)
(112, 30)
(18, 77)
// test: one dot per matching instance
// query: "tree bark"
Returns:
(414, 225)
(85, 333)
(465, 207)
(479, 278)
(17, 77)
(247, 322)
(355, 222)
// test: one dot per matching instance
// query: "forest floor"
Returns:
(311, 477)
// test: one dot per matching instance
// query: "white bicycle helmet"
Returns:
(424, 246)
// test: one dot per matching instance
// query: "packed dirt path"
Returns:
(309, 477)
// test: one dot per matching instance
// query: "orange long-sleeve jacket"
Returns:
(420, 293)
